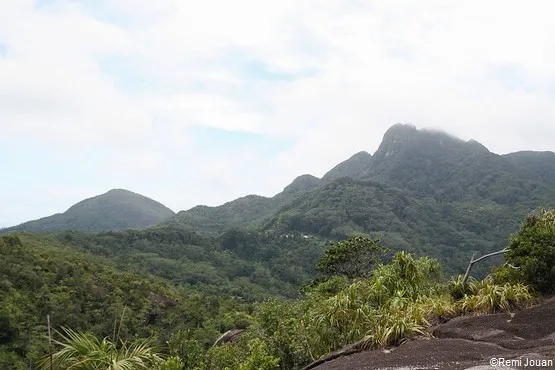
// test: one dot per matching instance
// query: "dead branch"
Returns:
(473, 261)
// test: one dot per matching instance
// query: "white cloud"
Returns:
(360, 67)
(207, 110)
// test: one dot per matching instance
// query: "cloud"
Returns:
(124, 86)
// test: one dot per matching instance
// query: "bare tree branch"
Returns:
(473, 261)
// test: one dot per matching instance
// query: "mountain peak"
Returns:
(477, 145)
(119, 191)
(402, 127)
(401, 138)
(395, 138)
(363, 155)
(116, 209)
(301, 184)
(352, 167)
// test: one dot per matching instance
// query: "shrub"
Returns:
(259, 357)
(172, 363)
(458, 290)
(84, 351)
(532, 253)
(490, 297)
(223, 357)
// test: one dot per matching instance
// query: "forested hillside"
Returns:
(117, 209)
(421, 190)
(42, 276)
(245, 212)
(364, 298)
(238, 263)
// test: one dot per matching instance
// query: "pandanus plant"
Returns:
(84, 351)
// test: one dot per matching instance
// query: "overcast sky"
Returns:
(200, 102)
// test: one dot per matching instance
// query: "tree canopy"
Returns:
(531, 254)
(353, 258)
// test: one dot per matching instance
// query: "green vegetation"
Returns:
(401, 299)
(115, 210)
(352, 167)
(83, 351)
(422, 191)
(531, 255)
(247, 212)
(244, 264)
(254, 263)
(425, 192)
(353, 258)
(380, 307)
(242, 212)
(541, 163)
(40, 276)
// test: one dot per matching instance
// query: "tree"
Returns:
(354, 257)
(531, 252)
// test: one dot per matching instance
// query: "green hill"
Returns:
(421, 190)
(117, 209)
(237, 263)
(245, 212)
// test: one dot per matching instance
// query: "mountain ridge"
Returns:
(422, 190)
(451, 177)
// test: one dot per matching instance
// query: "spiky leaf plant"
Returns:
(83, 351)
(489, 297)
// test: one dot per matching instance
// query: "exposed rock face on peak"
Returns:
(116, 209)
(352, 167)
(406, 140)
(395, 139)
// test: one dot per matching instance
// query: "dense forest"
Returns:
(363, 294)
(371, 253)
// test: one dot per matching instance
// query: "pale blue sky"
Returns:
(201, 102)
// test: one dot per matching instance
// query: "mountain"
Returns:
(245, 212)
(425, 191)
(447, 169)
(117, 209)
(422, 190)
